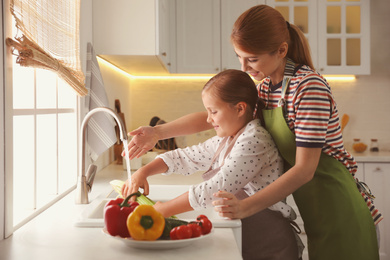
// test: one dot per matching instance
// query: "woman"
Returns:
(302, 118)
(241, 143)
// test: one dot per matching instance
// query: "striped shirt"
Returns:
(312, 115)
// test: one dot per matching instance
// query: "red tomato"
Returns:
(201, 216)
(196, 229)
(183, 232)
(172, 234)
(205, 224)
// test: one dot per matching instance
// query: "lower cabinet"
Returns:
(377, 176)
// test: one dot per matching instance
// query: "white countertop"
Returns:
(367, 156)
(52, 234)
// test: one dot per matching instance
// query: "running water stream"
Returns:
(127, 158)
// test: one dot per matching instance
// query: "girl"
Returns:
(242, 159)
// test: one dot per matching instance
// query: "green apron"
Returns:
(336, 218)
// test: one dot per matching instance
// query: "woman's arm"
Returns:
(302, 172)
(146, 137)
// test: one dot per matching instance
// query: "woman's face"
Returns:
(224, 117)
(260, 66)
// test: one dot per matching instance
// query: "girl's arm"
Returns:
(146, 137)
(175, 206)
(302, 172)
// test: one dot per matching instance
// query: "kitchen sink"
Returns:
(92, 216)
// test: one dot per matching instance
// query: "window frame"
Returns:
(36, 112)
(7, 225)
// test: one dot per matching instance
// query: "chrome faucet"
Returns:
(85, 179)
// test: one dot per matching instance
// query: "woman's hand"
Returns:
(229, 206)
(144, 139)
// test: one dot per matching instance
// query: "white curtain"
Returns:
(48, 38)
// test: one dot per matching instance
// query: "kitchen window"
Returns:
(44, 141)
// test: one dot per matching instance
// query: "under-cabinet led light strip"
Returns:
(206, 77)
(168, 77)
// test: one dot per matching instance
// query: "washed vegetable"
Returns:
(190, 230)
(171, 223)
(196, 229)
(181, 232)
(144, 200)
(204, 223)
(116, 213)
(145, 223)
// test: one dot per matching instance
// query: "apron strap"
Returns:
(282, 101)
(210, 172)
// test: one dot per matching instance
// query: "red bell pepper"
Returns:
(115, 215)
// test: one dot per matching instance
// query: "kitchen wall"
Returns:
(365, 100)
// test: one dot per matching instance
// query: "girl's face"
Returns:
(260, 66)
(226, 119)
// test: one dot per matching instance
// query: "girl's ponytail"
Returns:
(259, 110)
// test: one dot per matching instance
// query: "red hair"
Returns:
(262, 29)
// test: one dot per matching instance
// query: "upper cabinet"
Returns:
(158, 37)
(203, 34)
(337, 30)
(344, 39)
(135, 35)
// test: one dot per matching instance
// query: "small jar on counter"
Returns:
(374, 145)
(358, 146)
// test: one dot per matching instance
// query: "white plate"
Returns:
(157, 244)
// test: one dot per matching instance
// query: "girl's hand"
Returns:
(144, 139)
(228, 206)
(126, 189)
(138, 180)
(159, 206)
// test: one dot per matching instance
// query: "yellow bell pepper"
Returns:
(145, 223)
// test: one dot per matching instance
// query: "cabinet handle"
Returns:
(216, 69)
(164, 54)
(169, 64)
(378, 169)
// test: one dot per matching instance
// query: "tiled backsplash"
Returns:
(368, 105)
(365, 102)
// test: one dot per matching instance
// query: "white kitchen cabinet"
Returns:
(338, 32)
(377, 176)
(198, 36)
(166, 23)
(203, 34)
(134, 35)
